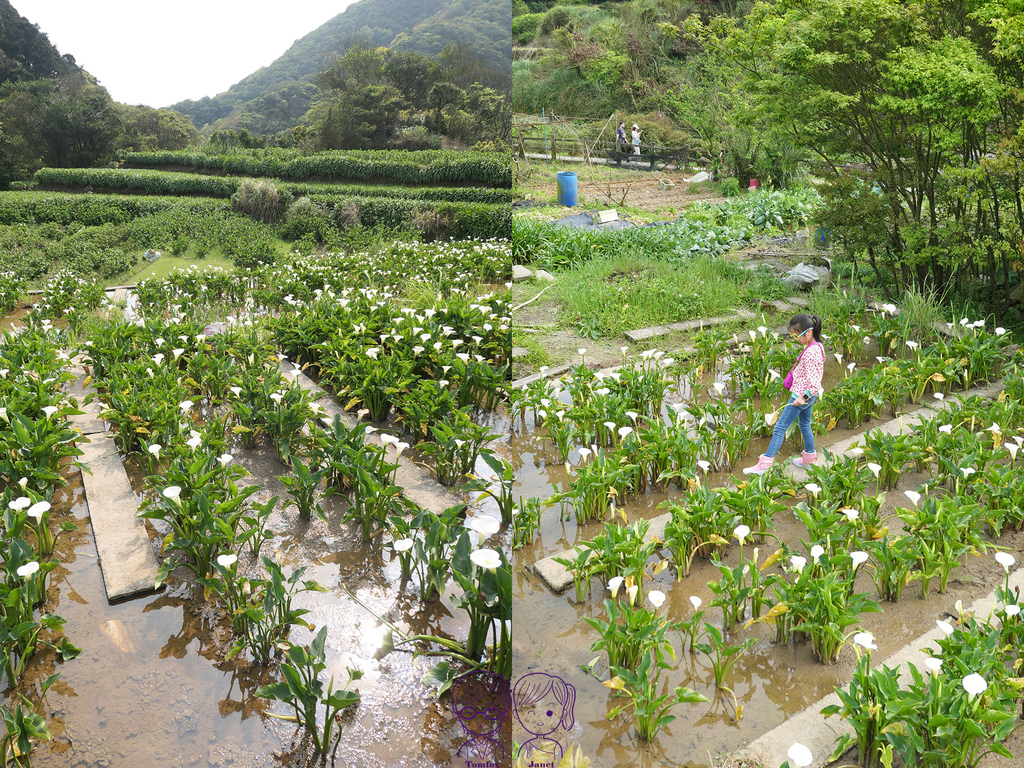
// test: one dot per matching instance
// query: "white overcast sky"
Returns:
(159, 53)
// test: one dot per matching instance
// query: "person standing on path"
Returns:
(636, 139)
(805, 386)
(620, 138)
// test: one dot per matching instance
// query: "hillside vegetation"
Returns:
(451, 44)
(908, 114)
(52, 112)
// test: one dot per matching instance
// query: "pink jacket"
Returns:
(809, 370)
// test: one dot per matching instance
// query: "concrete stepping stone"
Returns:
(557, 576)
(127, 561)
(418, 485)
(520, 273)
(782, 306)
(558, 370)
(643, 334)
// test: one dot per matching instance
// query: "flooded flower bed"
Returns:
(351, 632)
(796, 536)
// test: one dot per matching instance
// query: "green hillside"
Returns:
(275, 97)
(25, 52)
(481, 25)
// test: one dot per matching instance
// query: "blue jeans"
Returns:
(790, 414)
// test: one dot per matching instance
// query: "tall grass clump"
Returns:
(920, 312)
(260, 200)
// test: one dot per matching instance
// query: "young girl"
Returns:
(807, 374)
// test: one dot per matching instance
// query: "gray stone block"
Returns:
(520, 273)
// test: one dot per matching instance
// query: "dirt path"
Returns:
(621, 188)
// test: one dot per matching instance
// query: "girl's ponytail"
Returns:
(816, 325)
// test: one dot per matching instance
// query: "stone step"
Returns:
(127, 560)
(643, 334)
(418, 484)
(558, 370)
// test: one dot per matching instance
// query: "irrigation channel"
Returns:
(771, 682)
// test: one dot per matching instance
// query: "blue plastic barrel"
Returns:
(567, 188)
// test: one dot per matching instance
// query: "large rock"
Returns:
(702, 176)
(805, 276)
(586, 221)
(520, 273)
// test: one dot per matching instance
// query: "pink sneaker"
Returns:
(763, 465)
(805, 460)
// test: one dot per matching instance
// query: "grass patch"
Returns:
(162, 267)
(614, 294)
(835, 305)
(921, 311)
(538, 353)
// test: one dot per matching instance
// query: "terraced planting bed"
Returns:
(294, 536)
(750, 592)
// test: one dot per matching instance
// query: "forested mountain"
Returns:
(274, 98)
(482, 25)
(52, 112)
(25, 52)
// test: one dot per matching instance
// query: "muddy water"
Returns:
(13, 319)
(770, 683)
(151, 687)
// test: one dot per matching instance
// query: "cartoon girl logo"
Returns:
(481, 701)
(543, 705)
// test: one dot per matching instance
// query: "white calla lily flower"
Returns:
(865, 640)
(1006, 560)
(974, 684)
(800, 755)
(657, 598)
(486, 558)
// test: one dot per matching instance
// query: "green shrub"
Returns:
(310, 224)
(730, 187)
(524, 28)
(150, 182)
(170, 183)
(554, 19)
(92, 210)
(424, 167)
(445, 220)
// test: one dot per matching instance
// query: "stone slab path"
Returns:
(127, 560)
(643, 334)
(418, 484)
(810, 727)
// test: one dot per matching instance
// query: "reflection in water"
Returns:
(152, 686)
